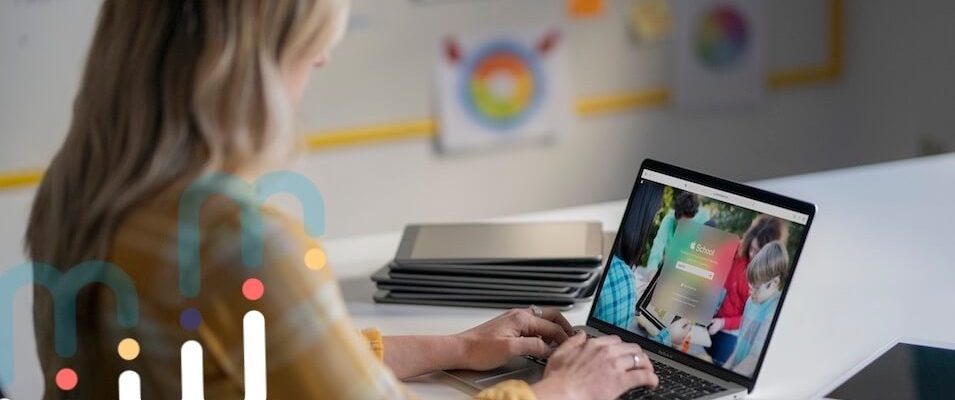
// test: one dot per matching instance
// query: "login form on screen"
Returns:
(697, 261)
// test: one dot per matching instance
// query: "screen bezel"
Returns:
(727, 186)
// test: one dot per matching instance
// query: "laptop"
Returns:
(687, 245)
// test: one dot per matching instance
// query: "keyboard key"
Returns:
(674, 384)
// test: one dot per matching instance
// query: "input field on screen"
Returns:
(692, 269)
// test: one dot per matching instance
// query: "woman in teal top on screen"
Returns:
(686, 205)
(618, 298)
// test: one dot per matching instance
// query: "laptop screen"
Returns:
(700, 270)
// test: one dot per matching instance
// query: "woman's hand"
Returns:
(601, 368)
(489, 345)
(517, 332)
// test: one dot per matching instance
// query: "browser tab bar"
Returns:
(727, 197)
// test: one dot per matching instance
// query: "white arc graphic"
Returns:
(129, 386)
(253, 346)
(191, 364)
(253, 342)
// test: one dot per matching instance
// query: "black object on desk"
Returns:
(907, 370)
(555, 264)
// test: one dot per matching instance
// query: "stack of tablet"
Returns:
(553, 264)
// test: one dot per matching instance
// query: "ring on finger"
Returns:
(636, 361)
(537, 311)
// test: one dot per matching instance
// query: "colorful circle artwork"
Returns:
(722, 37)
(253, 289)
(502, 84)
(66, 379)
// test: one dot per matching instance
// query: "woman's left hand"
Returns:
(517, 332)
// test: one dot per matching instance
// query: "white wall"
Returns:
(900, 80)
(897, 85)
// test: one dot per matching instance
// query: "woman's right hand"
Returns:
(600, 368)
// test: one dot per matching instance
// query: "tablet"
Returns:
(381, 276)
(383, 297)
(549, 268)
(906, 369)
(438, 269)
(477, 297)
(573, 294)
(528, 281)
(550, 242)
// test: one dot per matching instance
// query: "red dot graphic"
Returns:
(253, 289)
(66, 379)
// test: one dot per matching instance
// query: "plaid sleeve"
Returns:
(508, 390)
(375, 342)
(618, 297)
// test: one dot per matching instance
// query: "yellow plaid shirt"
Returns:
(313, 349)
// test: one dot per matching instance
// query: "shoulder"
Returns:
(616, 263)
(669, 216)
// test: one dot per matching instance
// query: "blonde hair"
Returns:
(171, 90)
(771, 261)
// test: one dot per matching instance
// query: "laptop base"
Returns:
(532, 371)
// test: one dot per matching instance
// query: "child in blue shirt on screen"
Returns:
(766, 274)
(618, 298)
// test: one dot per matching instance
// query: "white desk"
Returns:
(877, 265)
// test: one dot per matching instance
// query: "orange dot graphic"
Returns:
(315, 259)
(253, 289)
(66, 379)
(128, 349)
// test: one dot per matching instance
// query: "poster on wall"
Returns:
(719, 53)
(502, 87)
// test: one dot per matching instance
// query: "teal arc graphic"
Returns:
(64, 288)
(249, 197)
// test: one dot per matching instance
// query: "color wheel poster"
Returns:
(720, 51)
(502, 87)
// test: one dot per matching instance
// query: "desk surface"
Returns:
(877, 265)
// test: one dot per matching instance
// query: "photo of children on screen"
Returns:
(765, 276)
(698, 274)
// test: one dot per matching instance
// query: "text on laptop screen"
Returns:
(700, 270)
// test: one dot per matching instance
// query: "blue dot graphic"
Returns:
(190, 319)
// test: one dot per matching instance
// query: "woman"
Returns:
(686, 206)
(174, 91)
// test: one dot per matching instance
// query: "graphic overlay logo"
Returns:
(249, 197)
(502, 83)
(64, 287)
(722, 37)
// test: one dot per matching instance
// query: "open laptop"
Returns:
(682, 247)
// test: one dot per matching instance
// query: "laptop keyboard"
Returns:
(674, 384)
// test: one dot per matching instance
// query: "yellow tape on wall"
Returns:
(585, 106)
(9, 180)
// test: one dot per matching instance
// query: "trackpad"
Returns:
(518, 368)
